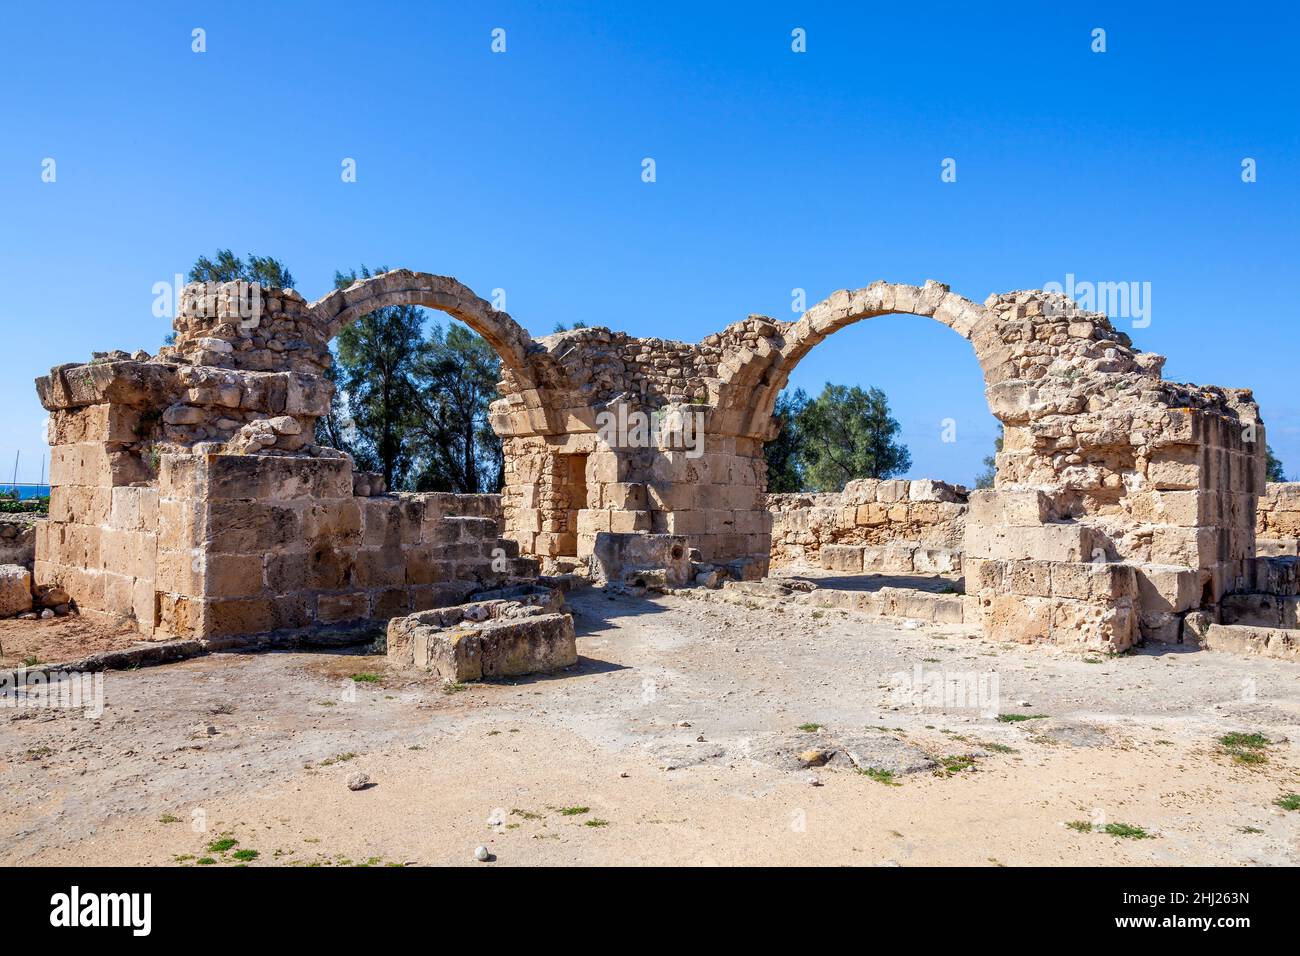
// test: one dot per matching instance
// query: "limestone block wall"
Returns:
(100, 540)
(561, 492)
(1277, 519)
(255, 544)
(921, 514)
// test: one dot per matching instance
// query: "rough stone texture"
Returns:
(1104, 464)
(18, 539)
(492, 638)
(923, 515)
(1277, 519)
(15, 590)
(641, 560)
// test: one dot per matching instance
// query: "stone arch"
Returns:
(342, 307)
(751, 380)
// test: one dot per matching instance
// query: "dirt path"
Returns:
(60, 639)
(1131, 741)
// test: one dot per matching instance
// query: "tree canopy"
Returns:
(844, 433)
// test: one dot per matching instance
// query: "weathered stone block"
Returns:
(491, 640)
(614, 554)
(1000, 508)
(1049, 542)
(15, 590)
(842, 557)
(1168, 589)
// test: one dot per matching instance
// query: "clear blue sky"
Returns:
(776, 170)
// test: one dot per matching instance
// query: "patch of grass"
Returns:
(596, 822)
(810, 728)
(1081, 826)
(182, 857)
(999, 748)
(574, 811)
(245, 856)
(366, 678)
(1246, 748)
(37, 753)
(1017, 718)
(880, 775)
(31, 661)
(1290, 801)
(338, 758)
(1126, 831)
(525, 814)
(453, 687)
(204, 861)
(1250, 830)
(169, 818)
(222, 844)
(955, 764)
(493, 733)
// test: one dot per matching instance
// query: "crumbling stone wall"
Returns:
(911, 515)
(1122, 501)
(18, 539)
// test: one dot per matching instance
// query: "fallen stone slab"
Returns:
(493, 638)
(1250, 641)
(802, 751)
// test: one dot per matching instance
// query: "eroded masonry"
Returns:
(190, 497)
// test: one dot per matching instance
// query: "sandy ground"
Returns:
(1132, 740)
(59, 639)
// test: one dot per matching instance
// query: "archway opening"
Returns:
(891, 431)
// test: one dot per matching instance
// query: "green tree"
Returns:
(848, 433)
(379, 356)
(457, 374)
(1273, 470)
(986, 477)
(784, 464)
(842, 434)
(228, 267)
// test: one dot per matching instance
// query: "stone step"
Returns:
(906, 603)
(1242, 639)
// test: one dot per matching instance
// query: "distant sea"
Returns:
(26, 491)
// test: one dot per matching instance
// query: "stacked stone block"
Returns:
(892, 525)
(260, 544)
(1277, 519)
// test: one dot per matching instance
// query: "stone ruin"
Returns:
(190, 498)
